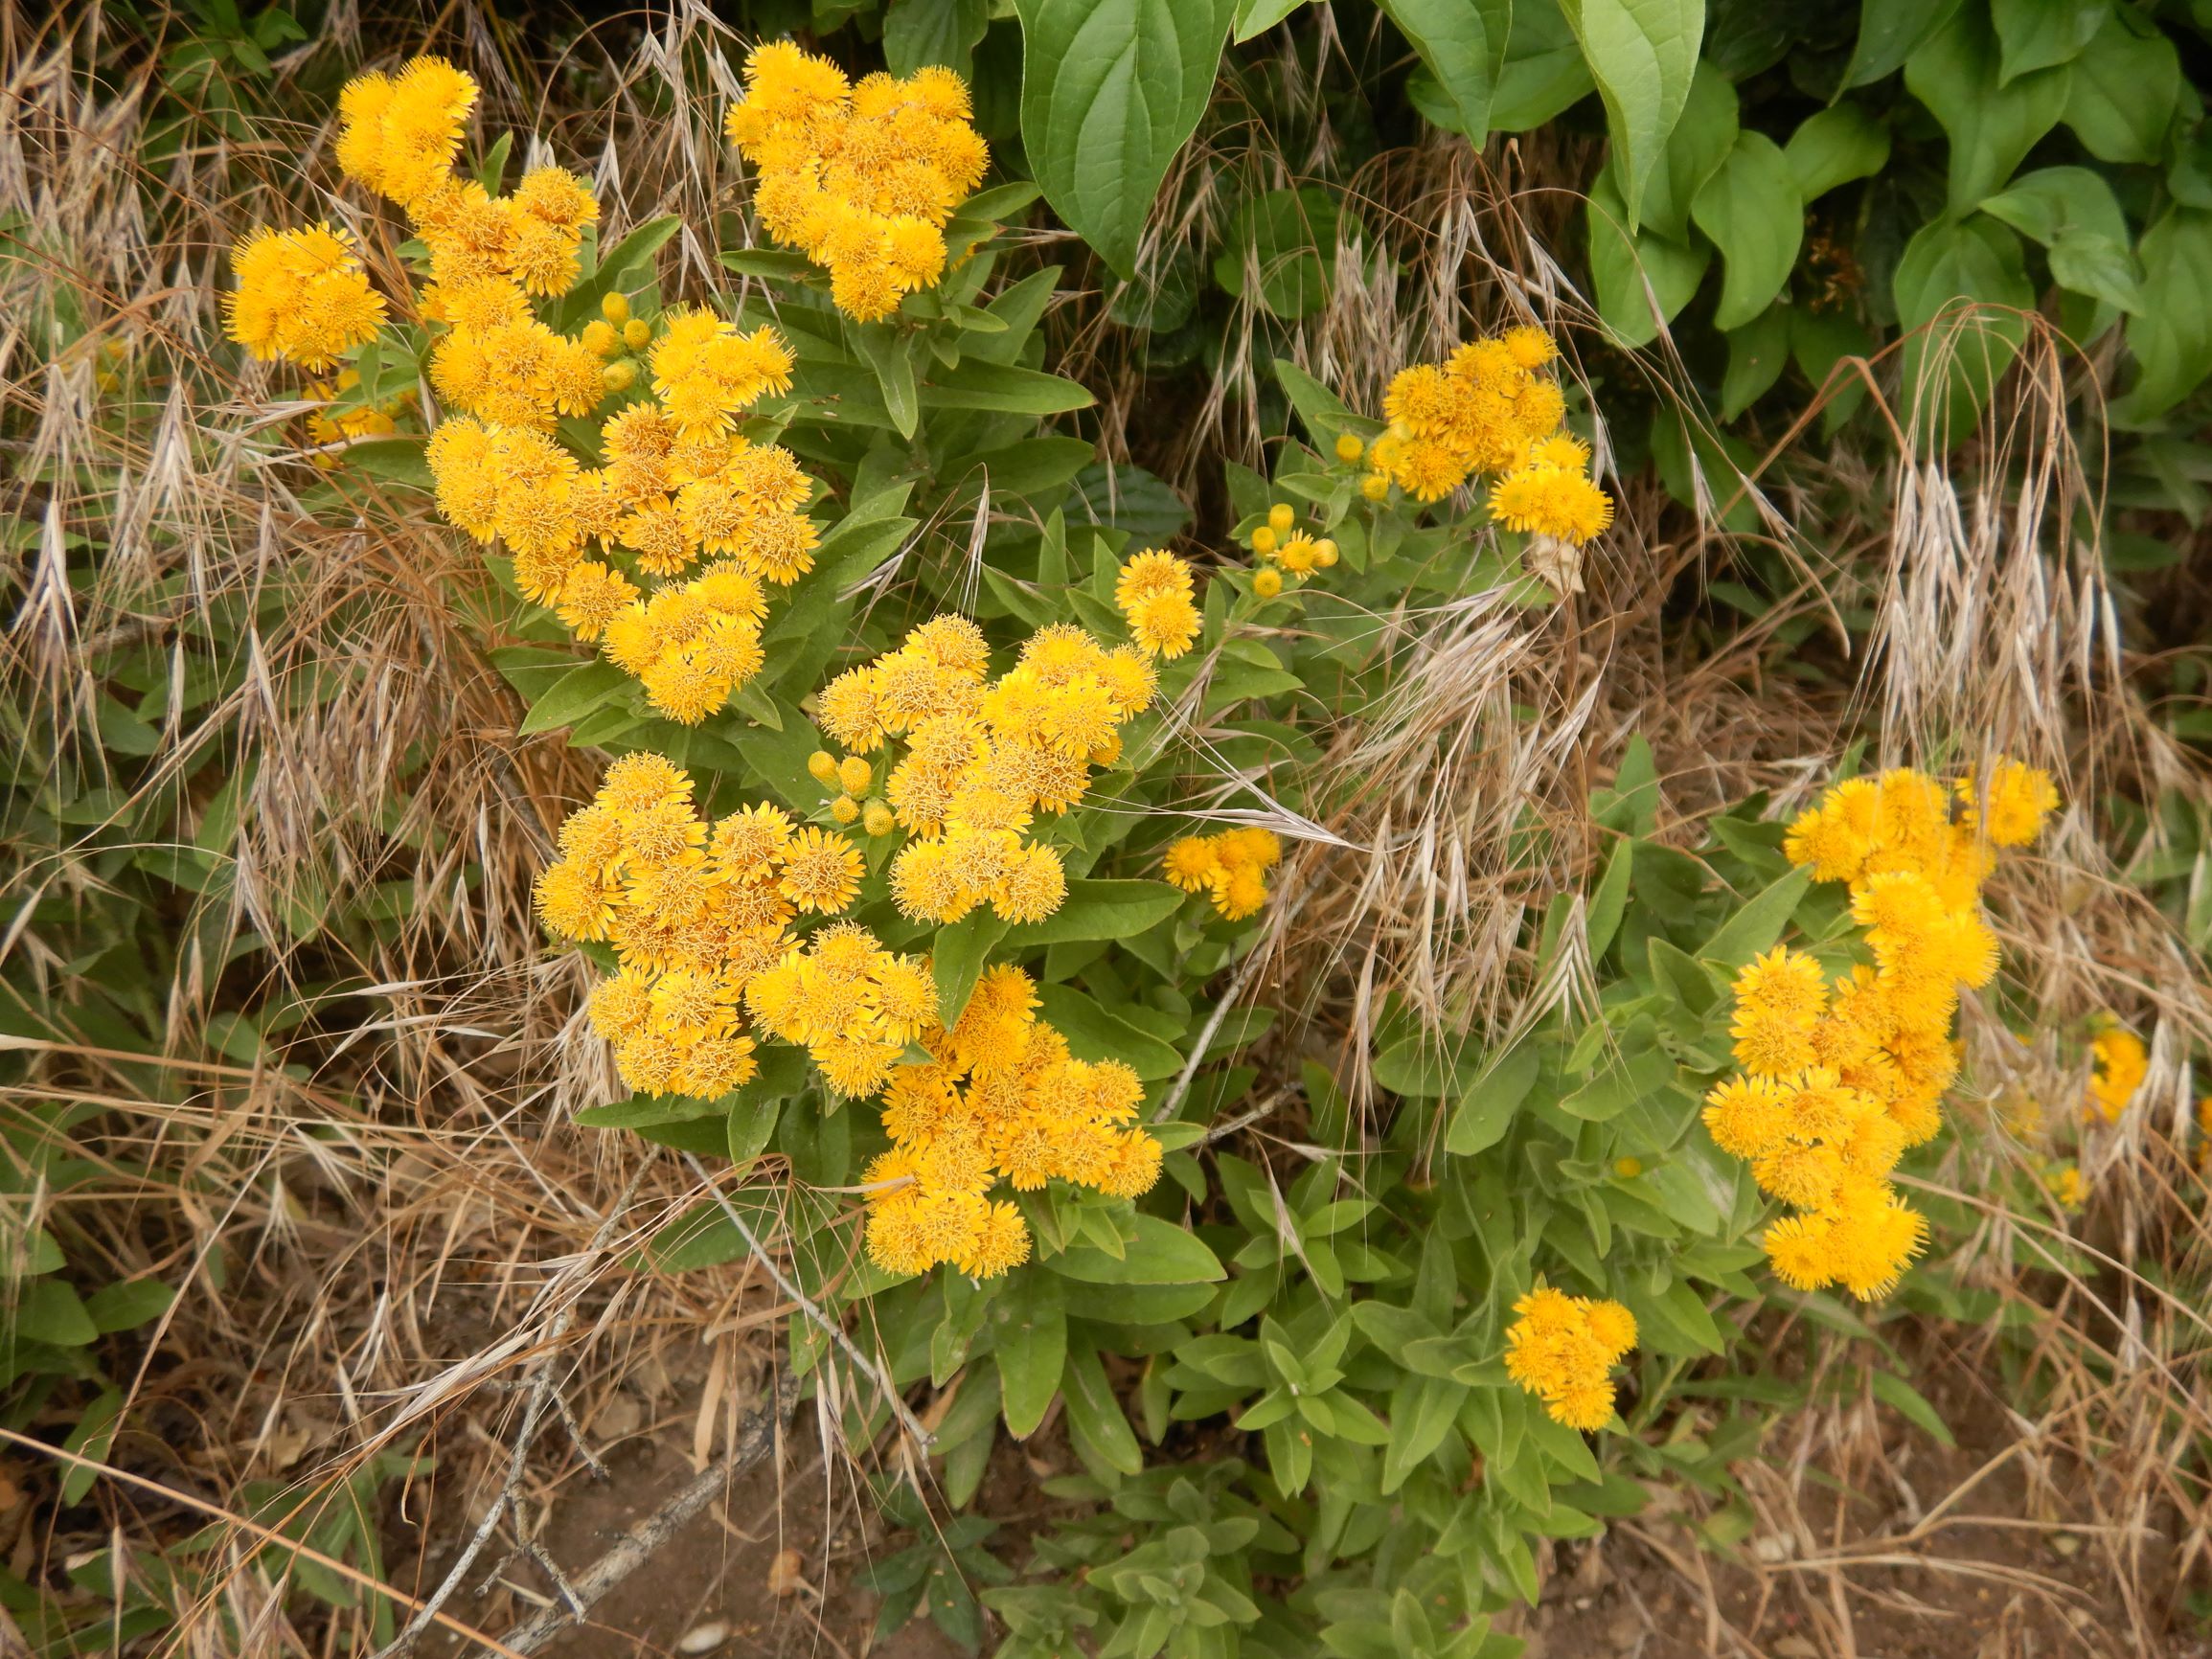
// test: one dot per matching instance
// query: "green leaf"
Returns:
(581, 692)
(93, 1437)
(48, 1310)
(888, 351)
(1161, 1254)
(2171, 337)
(1832, 147)
(773, 264)
(1258, 16)
(1543, 74)
(1001, 389)
(1095, 1033)
(1973, 276)
(1642, 281)
(2071, 211)
(958, 956)
(1110, 90)
(1890, 31)
(398, 460)
(1482, 1116)
(1030, 1322)
(623, 269)
(1751, 210)
(1283, 244)
(1095, 1420)
(1758, 352)
(1992, 126)
(1901, 1396)
(918, 33)
(1759, 923)
(129, 1305)
(2041, 33)
(1643, 55)
(1100, 909)
(647, 1111)
(1462, 43)
(1701, 141)
(2124, 90)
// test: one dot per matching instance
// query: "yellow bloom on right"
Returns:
(1841, 1077)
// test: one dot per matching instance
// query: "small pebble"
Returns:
(704, 1638)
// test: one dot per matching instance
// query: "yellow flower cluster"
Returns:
(1488, 410)
(2118, 1064)
(324, 426)
(694, 912)
(301, 295)
(1157, 599)
(860, 177)
(1561, 1349)
(1286, 547)
(984, 757)
(1839, 1080)
(400, 135)
(1230, 868)
(674, 489)
(999, 1098)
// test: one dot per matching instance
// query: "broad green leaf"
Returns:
(1543, 74)
(1643, 55)
(129, 1305)
(2125, 86)
(1963, 287)
(1890, 31)
(1030, 1322)
(1326, 414)
(1899, 1396)
(1095, 1420)
(1758, 352)
(1258, 16)
(2171, 339)
(1484, 1112)
(958, 956)
(1835, 146)
(1820, 340)
(48, 1310)
(1100, 909)
(583, 690)
(1096, 1032)
(1110, 91)
(1991, 126)
(93, 1437)
(396, 460)
(1757, 925)
(888, 352)
(1752, 210)
(918, 33)
(1642, 281)
(1603, 918)
(623, 269)
(1001, 389)
(1283, 243)
(2040, 33)
(1462, 43)
(1162, 1254)
(2071, 211)
(1693, 152)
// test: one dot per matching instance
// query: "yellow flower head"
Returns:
(301, 295)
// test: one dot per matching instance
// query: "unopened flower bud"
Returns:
(824, 766)
(619, 376)
(1281, 517)
(877, 819)
(637, 333)
(854, 774)
(1267, 583)
(1349, 448)
(615, 308)
(844, 808)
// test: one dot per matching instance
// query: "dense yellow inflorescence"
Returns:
(2119, 1066)
(1561, 1349)
(1840, 1080)
(660, 553)
(860, 177)
(1230, 868)
(984, 757)
(1490, 411)
(998, 1098)
(302, 296)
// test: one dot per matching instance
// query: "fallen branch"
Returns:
(757, 1436)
